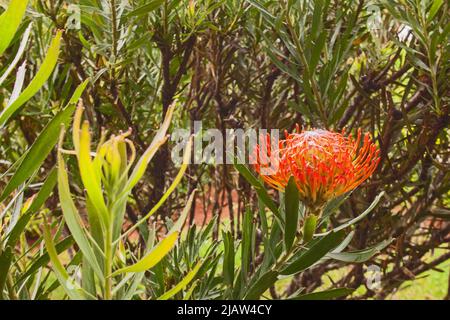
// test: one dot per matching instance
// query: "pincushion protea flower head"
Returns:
(324, 164)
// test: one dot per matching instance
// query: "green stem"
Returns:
(108, 264)
(309, 228)
(288, 253)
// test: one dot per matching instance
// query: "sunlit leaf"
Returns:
(360, 255)
(313, 254)
(153, 257)
(38, 81)
(10, 21)
(72, 218)
(69, 285)
(182, 284)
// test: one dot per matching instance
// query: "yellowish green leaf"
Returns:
(38, 81)
(10, 21)
(153, 257)
(70, 286)
(182, 284)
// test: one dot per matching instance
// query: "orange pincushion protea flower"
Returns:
(324, 164)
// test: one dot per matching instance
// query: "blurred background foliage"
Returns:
(377, 65)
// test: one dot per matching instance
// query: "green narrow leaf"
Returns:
(153, 257)
(358, 218)
(261, 8)
(247, 245)
(10, 21)
(38, 81)
(332, 206)
(70, 287)
(182, 284)
(261, 285)
(360, 255)
(42, 195)
(157, 141)
(72, 218)
(43, 145)
(5, 263)
(183, 216)
(179, 224)
(228, 259)
(76, 261)
(95, 226)
(313, 254)
(344, 243)
(260, 190)
(316, 25)
(291, 204)
(317, 51)
(146, 8)
(40, 261)
(88, 278)
(188, 294)
(434, 9)
(19, 53)
(89, 173)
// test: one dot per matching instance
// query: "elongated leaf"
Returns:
(177, 226)
(434, 9)
(261, 8)
(228, 259)
(187, 208)
(44, 259)
(248, 243)
(146, 8)
(261, 285)
(18, 83)
(76, 260)
(358, 218)
(43, 145)
(38, 81)
(19, 53)
(182, 284)
(313, 254)
(70, 287)
(42, 195)
(5, 263)
(360, 255)
(332, 206)
(10, 21)
(188, 294)
(291, 204)
(157, 141)
(325, 295)
(260, 190)
(153, 257)
(344, 243)
(172, 187)
(72, 217)
(88, 278)
(89, 175)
